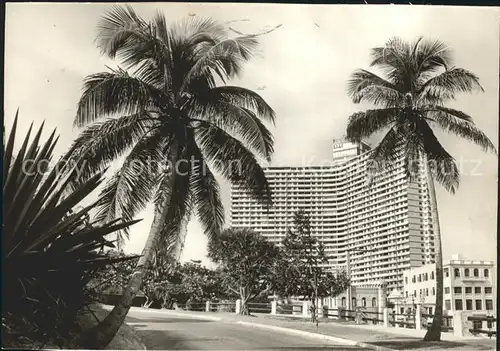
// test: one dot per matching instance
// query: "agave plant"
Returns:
(50, 249)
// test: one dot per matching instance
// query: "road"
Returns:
(178, 333)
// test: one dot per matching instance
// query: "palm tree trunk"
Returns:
(100, 336)
(434, 332)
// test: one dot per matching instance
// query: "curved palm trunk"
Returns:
(100, 336)
(434, 332)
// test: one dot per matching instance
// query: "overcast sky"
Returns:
(304, 66)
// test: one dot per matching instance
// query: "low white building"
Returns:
(468, 286)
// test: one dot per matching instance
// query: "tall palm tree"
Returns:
(172, 117)
(417, 80)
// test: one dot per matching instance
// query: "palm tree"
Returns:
(417, 80)
(170, 118)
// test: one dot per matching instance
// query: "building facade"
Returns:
(377, 223)
(468, 286)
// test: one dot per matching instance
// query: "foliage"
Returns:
(165, 283)
(418, 79)
(247, 262)
(50, 250)
(171, 103)
(301, 270)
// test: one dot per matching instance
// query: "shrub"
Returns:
(50, 249)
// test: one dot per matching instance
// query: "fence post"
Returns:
(238, 306)
(305, 308)
(418, 317)
(385, 312)
(207, 306)
(274, 306)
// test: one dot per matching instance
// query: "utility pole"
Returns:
(349, 290)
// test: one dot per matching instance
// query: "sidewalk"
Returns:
(369, 336)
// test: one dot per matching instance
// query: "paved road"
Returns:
(178, 333)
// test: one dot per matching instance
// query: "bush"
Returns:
(50, 250)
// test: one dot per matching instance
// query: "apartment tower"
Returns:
(381, 221)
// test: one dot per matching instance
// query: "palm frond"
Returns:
(224, 59)
(442, 165)
(112, 93)
(132, 187)
(118, 29)
(363, 124)
(431, 56)
(240, 122)
(447, 84)
(206, 196)
(102, 142)
(460, 124)
(230, 157)
(367, 86)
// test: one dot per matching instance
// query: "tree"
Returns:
(301, 271)
(171, 116)
(246, 260)
(418, 79)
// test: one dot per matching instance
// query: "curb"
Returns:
(315, 335)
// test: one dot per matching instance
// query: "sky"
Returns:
(302, 67)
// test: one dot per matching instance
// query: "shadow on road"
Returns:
(165, 320)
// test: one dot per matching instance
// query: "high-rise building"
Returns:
(381, 222)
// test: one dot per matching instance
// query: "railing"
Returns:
(259, 307)
(225, 306)
(403, 320)
(374, 317)
(446, 322)
(289, 309)
(478, 322)
(197, 306)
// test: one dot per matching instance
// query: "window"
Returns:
(479, 305)
(466, 272)
(468, 305)
(415, 293)
(486, 273)
(433, 291)
(343, 302)
(426, 277)
(406, 280)
(353, 302)
(477, 290)
(489, 305)
(488, 290)
(432, 275)
(363, 302)
(457, 290)
(374, 301)
(457, 273)
(419, 278)
(447, 290)
(413, 279)
(406, 293)
(426, 292)
(446, 272)
(447, 305)
(468, 289)
(458, 305)
(476, 272)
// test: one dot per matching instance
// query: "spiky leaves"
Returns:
(46, 240)
(418, 78)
